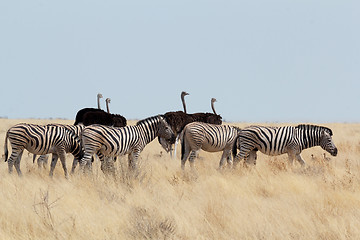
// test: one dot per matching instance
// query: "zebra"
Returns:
(279, 140)
(76, 129)
(106, 141)
(208, 137)
(41, 139)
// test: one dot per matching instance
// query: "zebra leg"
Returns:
(184, 155)
(86, 160)
(62, 155)
(53, 164)
(242, 155)
(225, 155)
(107, 166)
(300, 159)
(251, 159)
(291, 157)
(192, 157)
(17, 163)
(236, 160)
(42, 161)
(45, 162)
(77, 161)
(175, 145)
(74, 164)
(132, 158)
(229, 159)
(10, 161)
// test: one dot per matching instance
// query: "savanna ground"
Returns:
(272, 201)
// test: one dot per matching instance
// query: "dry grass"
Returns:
(273, 201)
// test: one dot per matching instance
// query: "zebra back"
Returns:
(40, 138)
(309, 127)
(216, 136)
(76, 129)
(117, 141)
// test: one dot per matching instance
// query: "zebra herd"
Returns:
(104, 141)
(268, 140)
(108, 142)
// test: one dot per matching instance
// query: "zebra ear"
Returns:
(162, 119)
(324, 132)
(326, 129)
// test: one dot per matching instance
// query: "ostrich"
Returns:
(178, 120)
(104, 118)
(80, 114)
(212, 118)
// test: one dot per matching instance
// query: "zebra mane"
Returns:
(237, 128)
(316, 127)
(149, 119)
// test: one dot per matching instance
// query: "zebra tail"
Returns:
(183, 145)
(34, 157)
(6, 147)
(234, 148)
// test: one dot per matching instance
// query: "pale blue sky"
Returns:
(264, 61)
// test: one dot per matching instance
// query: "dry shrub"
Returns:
(277, 165)
(131, 178)
(147, 224)
(43, 208)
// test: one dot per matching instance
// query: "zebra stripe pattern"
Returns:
(208, 137)
(279, 140)
(39, 140)
(76, 129)
(106, 141)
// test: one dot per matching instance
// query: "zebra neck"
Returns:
(309, 138)
(150, 131)
(70, 145)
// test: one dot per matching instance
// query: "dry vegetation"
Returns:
(272, 201)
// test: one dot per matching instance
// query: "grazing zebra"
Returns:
(279, 140)
(77, 130)
(208, 137)
(41, 139)
(106, 141)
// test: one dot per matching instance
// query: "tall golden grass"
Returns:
(272, 201)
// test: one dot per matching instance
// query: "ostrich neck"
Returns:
(213, 108)
(107, 107)
(183, 102)
(98, 102)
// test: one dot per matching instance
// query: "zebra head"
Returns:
(327, 143)
(165, 144)
(165, 133)
(76, 148)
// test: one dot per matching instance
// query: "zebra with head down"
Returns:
(106, 141)
(279, 140)
(43, 159)
(41, 139)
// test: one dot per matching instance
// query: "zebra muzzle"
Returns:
(334, 152)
